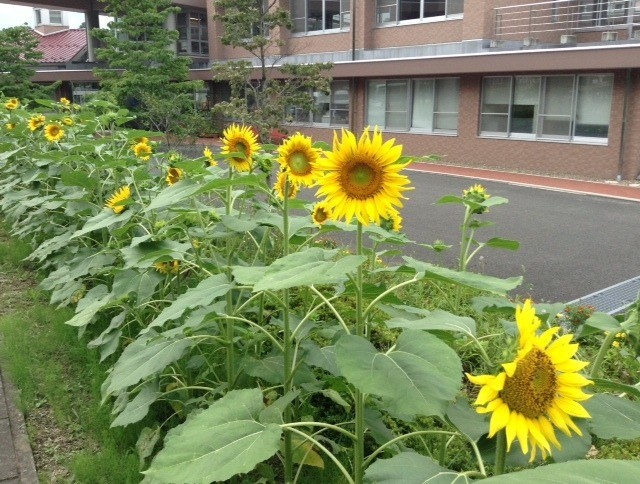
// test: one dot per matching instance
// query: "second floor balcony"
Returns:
(568, 22)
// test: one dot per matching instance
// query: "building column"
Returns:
(91, 21)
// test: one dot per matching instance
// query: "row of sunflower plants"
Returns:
(256, 344)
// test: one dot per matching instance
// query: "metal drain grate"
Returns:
(613, 299)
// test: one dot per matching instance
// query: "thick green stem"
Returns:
(286, 343)
(606, 344)
(358, 457)
(229, 329)
(501, 453)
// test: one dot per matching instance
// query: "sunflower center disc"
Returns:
(299, 164)
(320, 216)
(532, 388)
(361, 181)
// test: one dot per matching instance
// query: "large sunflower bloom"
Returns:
(362, 177)
(242, 140)
(53, 132)
(11, 104)
(537, 391)
(299, 158)
(142, 150)
(36, 122)
(124, 193)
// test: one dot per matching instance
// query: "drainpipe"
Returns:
(627, 92)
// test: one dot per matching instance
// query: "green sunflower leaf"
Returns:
(419, 376)
(613, 417)
(217, 443)
(574, 472)
(408, 468)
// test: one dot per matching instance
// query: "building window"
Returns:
(84, 91)
(193, 37)
(38, 13)
(394, 11)
(420, 105)
(55, 17)
(329, 109)
(320, 15)
(563, 107)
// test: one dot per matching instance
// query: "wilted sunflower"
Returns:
(280, 187)
(321, 213)
(362, 177)
(172, 267)
(174, 175)
(10, 126)
(299, 158)
(11, 104)
(36, 122)
(540, 389)
(67, 121)
(124, 193)
(240, 139)
(209, 156)
(142, 150)
(53, 132)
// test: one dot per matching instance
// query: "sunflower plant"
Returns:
(221, 306)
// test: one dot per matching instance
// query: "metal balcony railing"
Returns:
(566, 17)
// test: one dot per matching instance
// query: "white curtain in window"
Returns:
(422, 113)
(376, 101)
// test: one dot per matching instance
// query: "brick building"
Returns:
(549, 86)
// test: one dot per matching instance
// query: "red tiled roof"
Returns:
(62, 46)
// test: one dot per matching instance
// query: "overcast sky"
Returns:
(12, 15)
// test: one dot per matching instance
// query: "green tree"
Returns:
(18, 58)
(255, 26)
(143, 72)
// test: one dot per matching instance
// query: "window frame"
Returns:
(410, 103)
(344, 18)
(202, 31)
(542, 114)
(308, 118)
(393, 9)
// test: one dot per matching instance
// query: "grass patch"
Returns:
(59, 381)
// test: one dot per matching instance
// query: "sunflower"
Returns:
(65, 102)
(121, 195)
(537, 391)
(392, 222)
(280, 186)
(209, 156)
(53, 132)
(142, 150)
(172, 267)
(476, 194)
(174, 175)
(11, 104)
(299, 158)
(67, 121)
(10, 126)
(240, 139)
(36, 122)
(362, 177)
(321, 213)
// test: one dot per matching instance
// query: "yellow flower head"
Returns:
(392, 222)
(36, 122)
(240, 140)
(53, 132)
(142, 150)
(67, 121)
(280, 186)
(209, 156)
(174, 175)
(321, 213)
(65, 102)
(476, 194)
(299, 158)
(362, 177)
(121, 195)
(11, 104)
(10, 126)
(616, 344)
(537, 391)
(172, 267)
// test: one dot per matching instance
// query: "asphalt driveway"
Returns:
(570, 245)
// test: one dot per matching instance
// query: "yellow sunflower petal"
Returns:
(571, 407)
(522, 431)
(499, 419)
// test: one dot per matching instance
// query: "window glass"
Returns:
(524, 112)
(455, 7)
(55, 16)
(396, 107)
(409, 9)
(298, 15)
(340, 103)
(434, 8)
(446, 104)
(376, 101)
(321, 103)
(496, 97)
(422, 112)
(555, 119)
(386, 11)
(593, 105)
(319, 15)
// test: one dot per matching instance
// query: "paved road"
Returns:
(571, 245)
